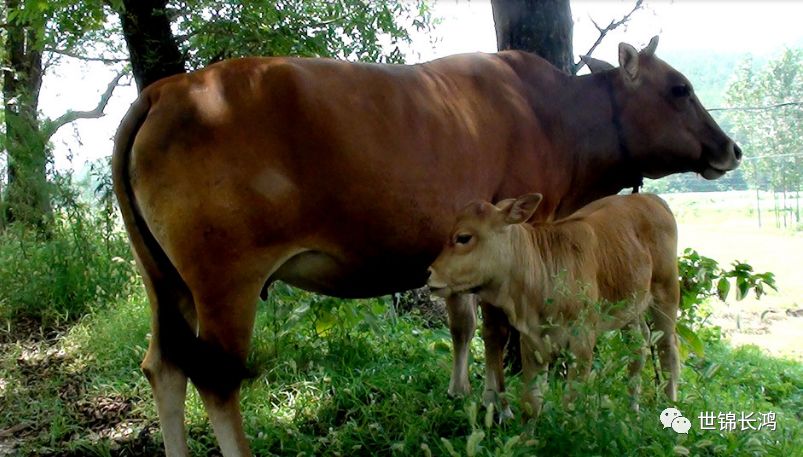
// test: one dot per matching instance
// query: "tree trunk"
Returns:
(543, 27)
(27, 196)
(151, 45)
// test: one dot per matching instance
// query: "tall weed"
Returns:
(83, 262)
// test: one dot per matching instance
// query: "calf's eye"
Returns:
(463, 238)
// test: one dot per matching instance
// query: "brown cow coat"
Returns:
(343, 178)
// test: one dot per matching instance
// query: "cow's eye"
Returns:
(681, 90)
(463, 238)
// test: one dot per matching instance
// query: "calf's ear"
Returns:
(504, 205)
(522, 209)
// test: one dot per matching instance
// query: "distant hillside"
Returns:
(710, 71)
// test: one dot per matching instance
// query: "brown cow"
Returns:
(344, 178)
(561, 284)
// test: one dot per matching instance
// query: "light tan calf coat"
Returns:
(563, 283)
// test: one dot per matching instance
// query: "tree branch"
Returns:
(604, 31)
(106, 60)
(50, 127)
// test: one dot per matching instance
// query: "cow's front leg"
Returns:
(495, 332)
(534, 363)
(462, 324)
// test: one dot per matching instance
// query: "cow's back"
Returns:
(359, 168)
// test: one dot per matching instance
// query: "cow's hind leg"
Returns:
(168, 381)
(169, 385)
(462, 324)
(225, 323)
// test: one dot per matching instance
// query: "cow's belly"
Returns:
(337, 276)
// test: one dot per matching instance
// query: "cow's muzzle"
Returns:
(717, 166)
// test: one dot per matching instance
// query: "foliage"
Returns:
(349, 29)
(770, 135)
(35, 31)
(702, 278)
(83, 262)
(382, 391)
(59, 24)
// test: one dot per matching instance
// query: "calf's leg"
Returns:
(638, 331)
(495, 331)
(664, 314)
(581, 345)
(462, 324)
(534, 366)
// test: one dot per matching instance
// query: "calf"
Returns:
(563, 283)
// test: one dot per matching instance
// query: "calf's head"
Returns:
(480, 248)
(662, 125)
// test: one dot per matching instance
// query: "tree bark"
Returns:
(543, 27)
(151, 45)
(27, 198)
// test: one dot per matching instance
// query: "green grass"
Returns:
(347, 377)
(378, 389)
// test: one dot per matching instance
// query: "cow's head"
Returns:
(662, 124)
(479, 246)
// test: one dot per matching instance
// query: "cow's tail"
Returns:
(172, 304)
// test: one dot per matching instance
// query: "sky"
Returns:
(755, 27)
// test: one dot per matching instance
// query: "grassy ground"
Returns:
(350, 378)
(375, 389)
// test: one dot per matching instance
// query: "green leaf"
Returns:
(723, 287)
(742, 288)
(690, 338)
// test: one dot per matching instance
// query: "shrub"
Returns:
(84, 261)
(702, 278)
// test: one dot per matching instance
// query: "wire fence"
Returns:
(773, 181)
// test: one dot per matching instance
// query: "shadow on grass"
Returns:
(381, 390)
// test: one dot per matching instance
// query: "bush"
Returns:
(702, 278)
(82, 262)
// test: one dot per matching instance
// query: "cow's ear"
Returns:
(650, 49)
(522, 209)
(628, 63)
(596, 65)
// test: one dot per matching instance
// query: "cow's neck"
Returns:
(580, 116)
(602, 163)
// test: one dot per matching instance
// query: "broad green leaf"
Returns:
(723, 287)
